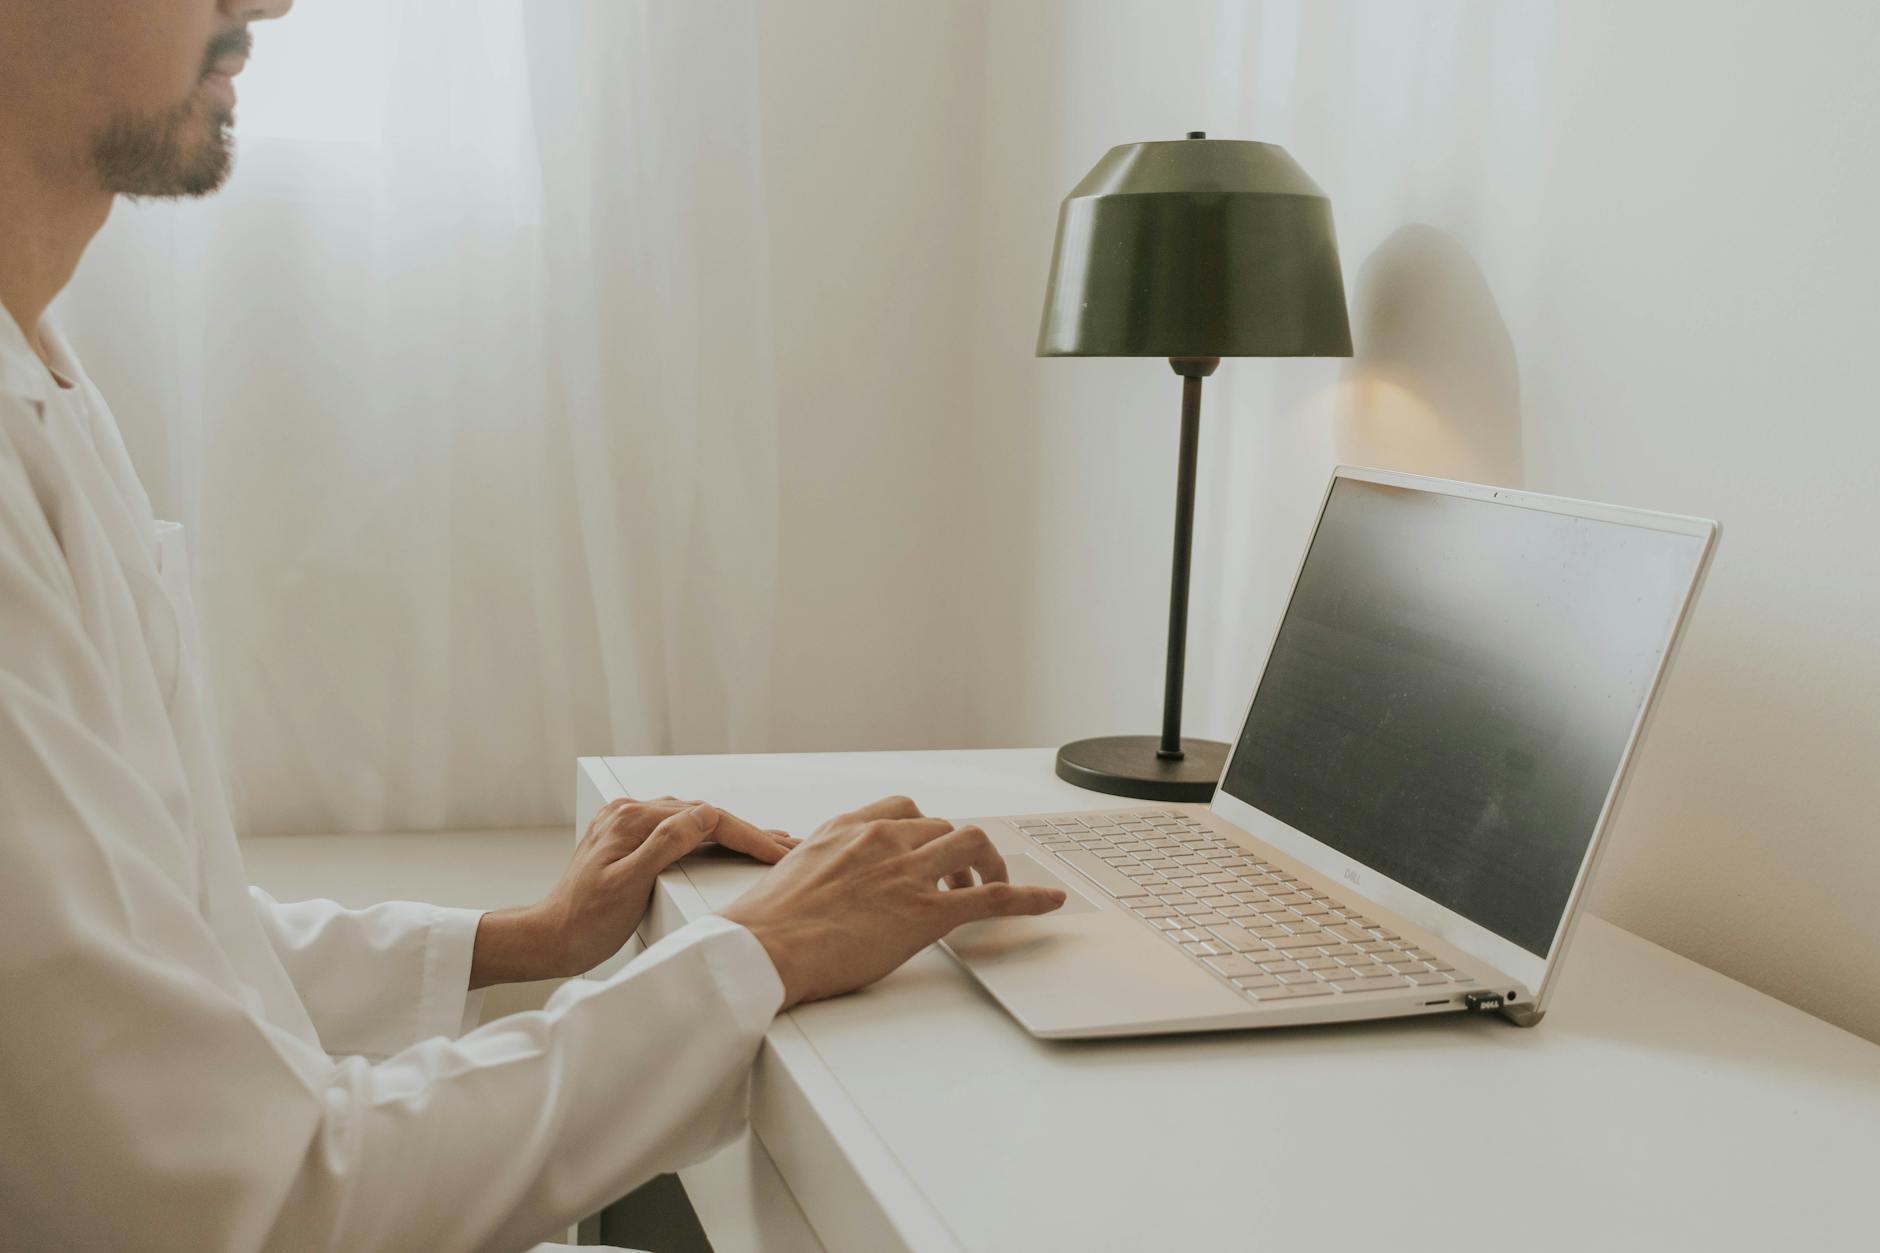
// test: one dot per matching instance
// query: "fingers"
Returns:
(740, 836)
(905, 834)
(630, 822)
(607, 818)
(888, 807)
(679, 834)
(997, 900)
(960, 853)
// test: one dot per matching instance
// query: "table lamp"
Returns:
(1192, 249)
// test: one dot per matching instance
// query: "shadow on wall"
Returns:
(1433, 387)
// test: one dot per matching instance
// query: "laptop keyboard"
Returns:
(1252, 925)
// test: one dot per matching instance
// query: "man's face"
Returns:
(135, 93)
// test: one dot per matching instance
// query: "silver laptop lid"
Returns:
(1452, 698)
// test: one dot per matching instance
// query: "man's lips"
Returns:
(220, 81)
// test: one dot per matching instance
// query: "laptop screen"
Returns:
(1452, 688)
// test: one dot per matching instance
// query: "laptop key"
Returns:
(1093, 868)
(1278, 992)
(1309, 989)
(1368, 985)
(1237, 938)
(1231, 964)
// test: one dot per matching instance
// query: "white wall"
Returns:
(1616, 250)
(871, 136)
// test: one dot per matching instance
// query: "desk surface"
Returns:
(1660, 1105)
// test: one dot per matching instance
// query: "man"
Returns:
(185, 1064)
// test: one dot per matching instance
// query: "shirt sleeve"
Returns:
(380, 979)
(146, 1103)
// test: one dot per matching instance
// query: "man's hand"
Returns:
(865, 893)
(604, 892)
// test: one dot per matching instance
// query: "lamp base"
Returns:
(1126, 765)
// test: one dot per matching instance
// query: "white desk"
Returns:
(1659, 1106)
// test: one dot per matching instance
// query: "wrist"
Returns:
(518, 945)
(778, 949)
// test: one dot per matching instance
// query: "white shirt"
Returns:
(187, 1064)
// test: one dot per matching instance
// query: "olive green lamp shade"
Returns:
(1195, 248)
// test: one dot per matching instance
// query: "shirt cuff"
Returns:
(446, 1005)
(739, 965)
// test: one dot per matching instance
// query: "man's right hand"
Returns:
(869, 890)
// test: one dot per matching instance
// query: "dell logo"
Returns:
(1351, 875)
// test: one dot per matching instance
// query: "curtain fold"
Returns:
(464, 390)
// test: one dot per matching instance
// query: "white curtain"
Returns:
(464, 390)
(656, 376)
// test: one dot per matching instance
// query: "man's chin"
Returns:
(187, 152)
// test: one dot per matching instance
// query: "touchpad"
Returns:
(1031, 872)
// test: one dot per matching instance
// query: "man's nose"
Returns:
(256, 10)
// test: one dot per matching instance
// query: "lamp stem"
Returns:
(1192, 370)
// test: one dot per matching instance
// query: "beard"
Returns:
(186, 151)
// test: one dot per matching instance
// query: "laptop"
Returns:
(1418, 797)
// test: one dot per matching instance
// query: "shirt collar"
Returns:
(21, 371)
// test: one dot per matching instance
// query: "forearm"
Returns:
(494, 1140)
(549, 1115)
(517, 946)
(378, 979)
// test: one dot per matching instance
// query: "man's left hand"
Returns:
(604, 892)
